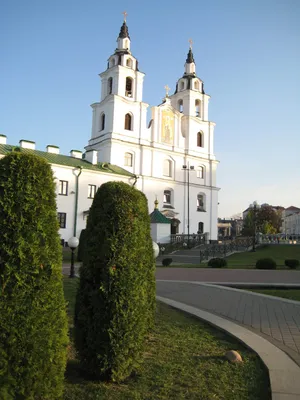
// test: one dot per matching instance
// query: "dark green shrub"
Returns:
(81, 246)
(166, 262)
(115, 301)
(266, 263)
(217, 262)
(33, 321)
(292, 263)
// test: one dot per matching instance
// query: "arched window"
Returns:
(200, 228)
(181, 85)
(128, 160)
(109, 85)
(198, 108)
(128, 122)
(102, 122)
(200, 202)
(196, 86)
(112, 62)
(200, 172)
(129, 62)
(180, 105)
(167, 197)
(200, 139)
(128, 88)
(167, 168)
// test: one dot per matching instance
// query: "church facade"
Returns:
(171, 158)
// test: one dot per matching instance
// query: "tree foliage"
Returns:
(266, 219)
(33, 321)
(116, 298)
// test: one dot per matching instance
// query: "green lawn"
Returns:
(278, 253)
(184, 359)
(292, 294)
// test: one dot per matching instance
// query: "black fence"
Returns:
(208, 251)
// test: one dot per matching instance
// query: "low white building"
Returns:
(171, 158)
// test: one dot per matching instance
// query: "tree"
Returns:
(115, 301)
(33, 321)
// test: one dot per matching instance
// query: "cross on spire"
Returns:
(125, 15)
(167, 90)
(191, 43)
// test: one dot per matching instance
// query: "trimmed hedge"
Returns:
(292, 263)
(33, 321)
(167, 261)
(266, 263)
(217, 262)
(115, 302)
(82, 244)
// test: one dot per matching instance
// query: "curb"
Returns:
(284, 373)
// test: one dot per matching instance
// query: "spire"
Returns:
(156, 204)
(124, 28)
(190, 56)
(190, 67)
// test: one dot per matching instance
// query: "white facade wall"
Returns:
(66, 204)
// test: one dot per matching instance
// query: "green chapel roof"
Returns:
(68, 161)
(156, 217)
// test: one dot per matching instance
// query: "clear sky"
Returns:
(247, 52)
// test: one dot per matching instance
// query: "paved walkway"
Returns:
(229, 275)
(277, 320)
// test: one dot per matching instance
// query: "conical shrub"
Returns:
(33, 321)
(116, 296)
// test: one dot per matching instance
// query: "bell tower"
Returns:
(120, 114)
(191, 100)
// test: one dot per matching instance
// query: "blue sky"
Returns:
(246, 52)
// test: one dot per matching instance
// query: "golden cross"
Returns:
(167, 90)
(191, 43)
(125, 15)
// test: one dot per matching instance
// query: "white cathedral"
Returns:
(170, 159)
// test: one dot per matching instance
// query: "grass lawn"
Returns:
(278, 253)
(184, 359)
(292, 294)
(247, 259)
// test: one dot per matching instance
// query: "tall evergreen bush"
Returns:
(33, 322)
(116, 298)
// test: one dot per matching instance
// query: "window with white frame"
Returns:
(109, 85)
(102, 122)
(181, 85)
(128, 160)
(128, 87)
(200, 228)
(180, 105)
(128, 122)
(62, 219)
(197, 108)
(167, 168)
(91, 191)
(63, 188)
(200, 172)
(196, 85)
(167, 196)
(200, 202)
(129, 63)
(200, 141)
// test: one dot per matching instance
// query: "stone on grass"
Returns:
(233, 356)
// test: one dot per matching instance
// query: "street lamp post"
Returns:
(255, 208)
(72, 243)
(188, 168)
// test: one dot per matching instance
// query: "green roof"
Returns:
(68, 161)
(156, 217)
